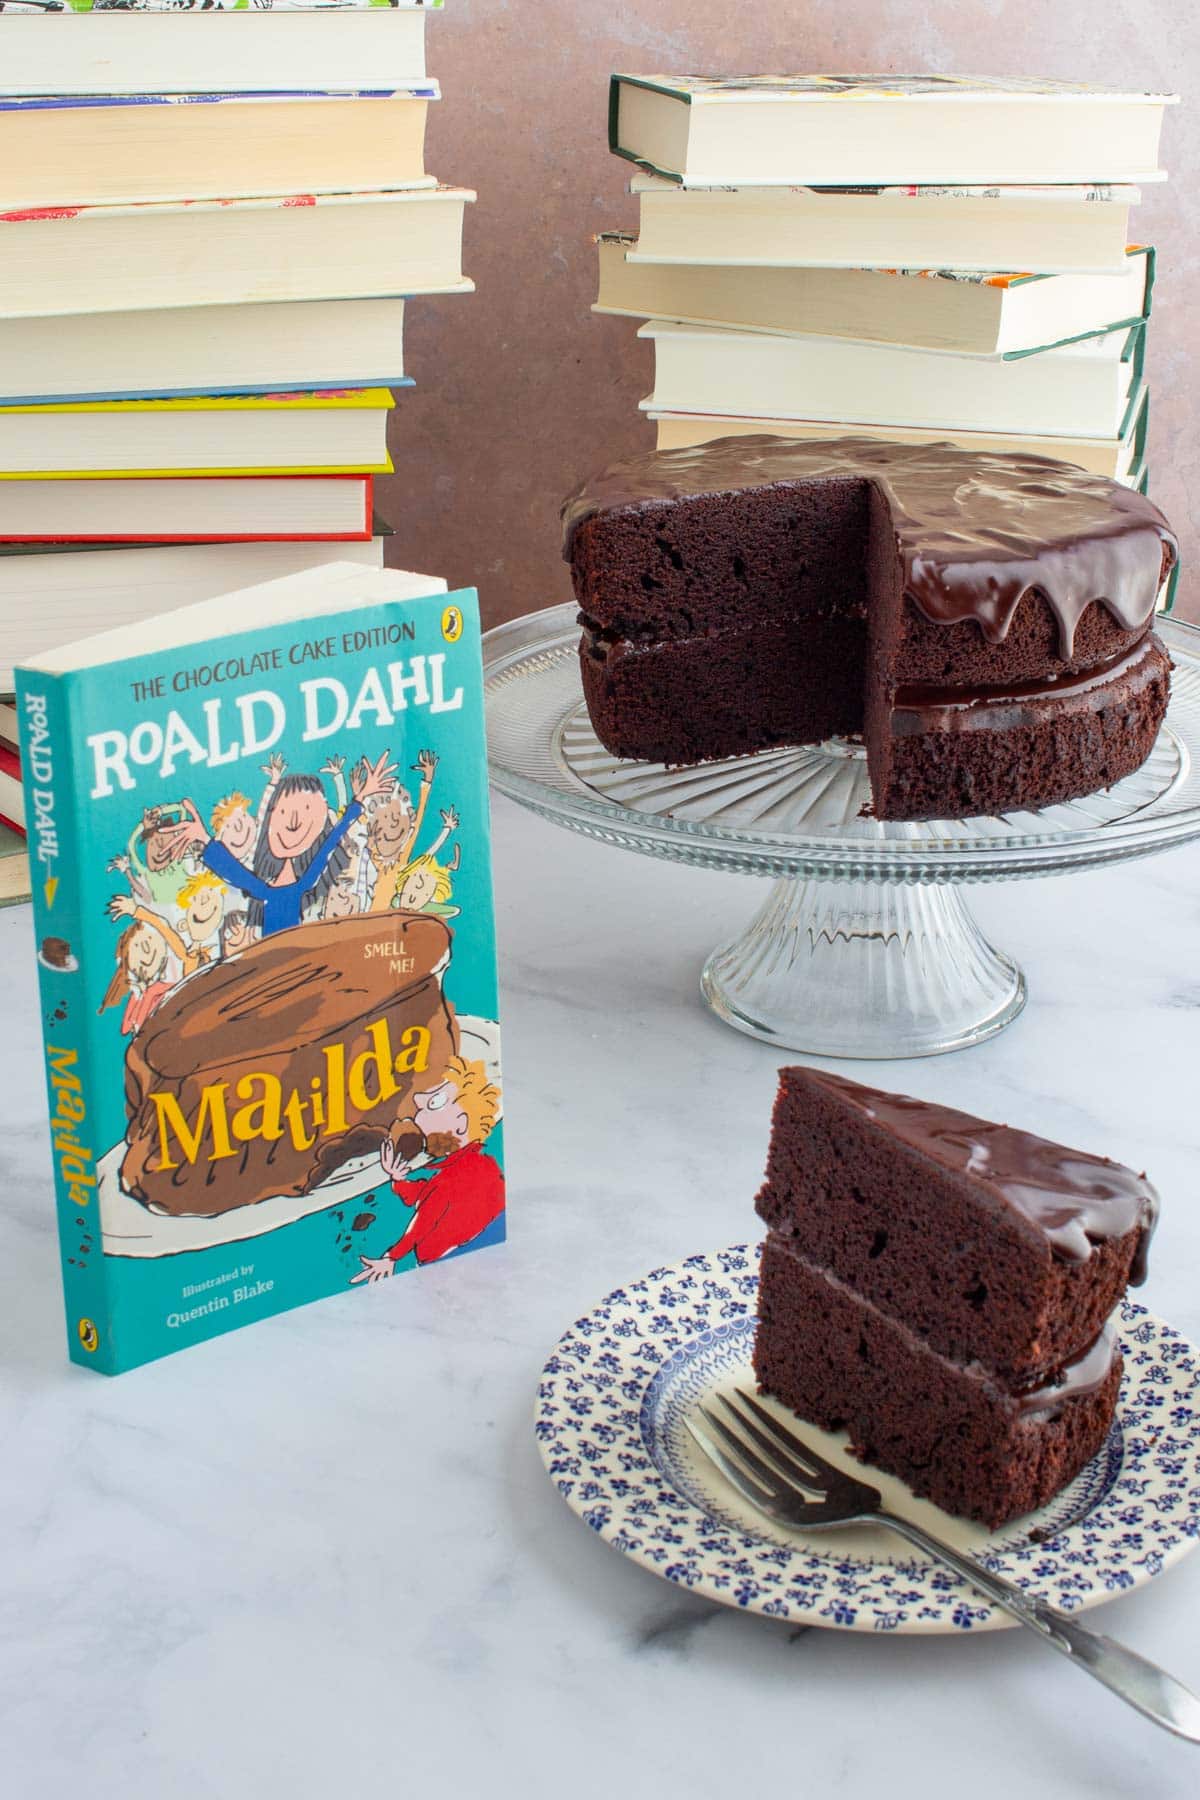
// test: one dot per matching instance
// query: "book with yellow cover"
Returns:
(333, 430)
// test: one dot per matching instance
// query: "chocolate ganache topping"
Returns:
(975, 531)
(1072, 1198)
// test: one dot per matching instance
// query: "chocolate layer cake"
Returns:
(983, 620)
(262, 1075)
(942, 1289)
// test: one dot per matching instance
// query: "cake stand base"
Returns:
(864, 969)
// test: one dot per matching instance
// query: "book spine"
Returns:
(43, 709)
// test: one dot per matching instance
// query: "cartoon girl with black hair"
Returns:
(299, 853)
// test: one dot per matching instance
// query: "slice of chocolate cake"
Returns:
(942, 1289)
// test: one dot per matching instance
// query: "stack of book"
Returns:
(820, 254)
(210, 220)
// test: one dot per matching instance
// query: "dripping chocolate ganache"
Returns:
(983, 621)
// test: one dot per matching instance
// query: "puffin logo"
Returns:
(89, 1337)
(452, 624)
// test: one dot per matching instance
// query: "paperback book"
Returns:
(263, 917)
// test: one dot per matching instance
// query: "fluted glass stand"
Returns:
(865, 945)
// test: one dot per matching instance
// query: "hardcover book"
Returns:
(105, 149)
(263, 916)
(824, 130)
(67, 260)
(255, 46)
(1122, 457)
(257, 348)
(1046, 230)
(53, 593)
(319, 431)
(1009, 315)
(1083, 390)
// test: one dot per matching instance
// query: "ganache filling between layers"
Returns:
(975, 531)
(1084, 1374)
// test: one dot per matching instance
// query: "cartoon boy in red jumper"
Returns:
(465, 1191)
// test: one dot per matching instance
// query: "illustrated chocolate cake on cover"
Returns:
(315, 1009)
(943, 1289)
(982, 620)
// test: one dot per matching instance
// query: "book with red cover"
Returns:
(12, 798)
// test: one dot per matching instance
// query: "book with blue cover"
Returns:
(259, 847)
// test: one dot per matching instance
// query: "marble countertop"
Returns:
(321, 1555)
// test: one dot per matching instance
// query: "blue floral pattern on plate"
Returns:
(610, 1425)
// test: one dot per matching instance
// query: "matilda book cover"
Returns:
(263, 915)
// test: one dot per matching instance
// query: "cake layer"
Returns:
(950, 1431)
(991, 1245)
(685, 700)
(945, 753)
(757, 558)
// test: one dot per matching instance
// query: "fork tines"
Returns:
(773, 1468)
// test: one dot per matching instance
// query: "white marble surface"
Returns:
(321, 1556)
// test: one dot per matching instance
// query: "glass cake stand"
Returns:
(865, 945)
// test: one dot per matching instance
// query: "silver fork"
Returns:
(784, 1477)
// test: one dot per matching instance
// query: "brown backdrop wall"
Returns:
(520, 389)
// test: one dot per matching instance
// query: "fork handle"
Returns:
(1140, 1683)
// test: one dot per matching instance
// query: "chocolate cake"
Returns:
(982, 620)
(285, 1062)
(943, 1289)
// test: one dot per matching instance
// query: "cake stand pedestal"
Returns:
(865, 945)
(863, 968)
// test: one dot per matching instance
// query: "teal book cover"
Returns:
(260, 856)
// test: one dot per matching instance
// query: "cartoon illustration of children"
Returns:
(393, 830)
(154, 866)
(341, 901)
(203, 932)
(233, 824)
(202, 900)
(423, 873)
(426, 885)
(140, 977)
(465, 1190)
(299, 853)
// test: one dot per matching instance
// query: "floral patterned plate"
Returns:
(610, 1423)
